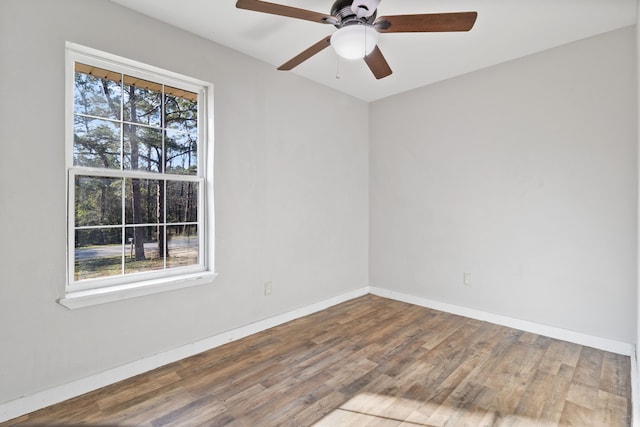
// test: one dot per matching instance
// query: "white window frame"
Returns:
(88, 292)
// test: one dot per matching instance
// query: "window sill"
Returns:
(89, 297)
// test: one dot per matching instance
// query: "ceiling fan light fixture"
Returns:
(354, 41)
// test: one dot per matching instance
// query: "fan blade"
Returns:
(306, 54)
(429, 22)
(377, 64)
(282, 10)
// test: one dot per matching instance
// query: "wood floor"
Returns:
(369, 362)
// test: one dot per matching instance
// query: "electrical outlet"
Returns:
(466, 279)
(267, 288)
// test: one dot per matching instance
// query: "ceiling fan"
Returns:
(358, 28)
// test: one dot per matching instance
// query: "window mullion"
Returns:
(163, 123)
(123, 196)
(123, 207)
(164, 222)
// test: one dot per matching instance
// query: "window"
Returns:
(139, 177)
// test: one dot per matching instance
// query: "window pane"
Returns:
(144, 249)
(142, 148)
(182, 201)
(142, 101)
(96, 143)
(181, 110)
(143, 201)
(182, 153)
(98, 201)
(183, 245)
(98, 253)
(97, 92)
(139, 211)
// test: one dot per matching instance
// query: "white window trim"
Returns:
(89, 297)
(74, 296)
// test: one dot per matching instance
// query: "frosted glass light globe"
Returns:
(354, 41)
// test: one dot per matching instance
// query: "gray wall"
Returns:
(523, 174)
(291, 199)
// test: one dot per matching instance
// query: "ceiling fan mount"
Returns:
(343, 10)
(349, 16)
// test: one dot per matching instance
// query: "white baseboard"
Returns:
(612, 346)
(635, 396)
(27, 404)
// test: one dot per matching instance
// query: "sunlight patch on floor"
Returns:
(370, 409)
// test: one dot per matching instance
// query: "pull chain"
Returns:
(365, 41)
(338, 67)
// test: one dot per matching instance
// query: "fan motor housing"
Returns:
(341, 9)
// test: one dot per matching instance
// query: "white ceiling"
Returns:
(504, 30)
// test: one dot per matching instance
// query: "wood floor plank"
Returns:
(556, 396)
(522, 372)
(553, 358)
(582, 395)
(459, 407)
(589, 367)
(146, 411)
(317, 410)
(610, 410)
(370, 361)
(127, 394)
(398, 408)
(576, 415)
(535, 396)
(613, 376)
